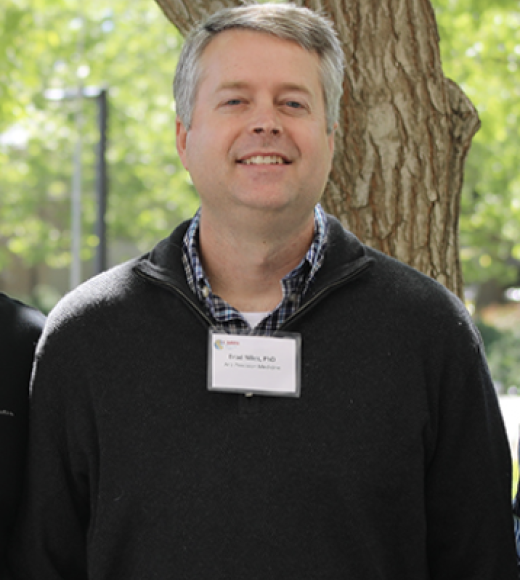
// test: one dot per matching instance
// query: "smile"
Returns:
(264, 160)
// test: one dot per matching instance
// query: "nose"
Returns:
(263, 129)
(266, 122)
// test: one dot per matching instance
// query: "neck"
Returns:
(244, 264)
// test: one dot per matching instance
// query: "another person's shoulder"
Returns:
(19, 321)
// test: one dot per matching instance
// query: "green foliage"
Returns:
(480, 48)
(502, 348)
(130, 48)
(490, 334)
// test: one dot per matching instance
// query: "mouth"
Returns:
(264, 160)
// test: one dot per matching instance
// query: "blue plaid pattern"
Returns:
(294, 285)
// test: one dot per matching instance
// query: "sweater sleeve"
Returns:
(20, 328)
(50, 535)
(468, 479)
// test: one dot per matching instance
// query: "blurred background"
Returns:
(89, 175)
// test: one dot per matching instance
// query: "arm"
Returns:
(50, 536)
(20, 328)
(468, 481)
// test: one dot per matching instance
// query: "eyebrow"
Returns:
(243, 85)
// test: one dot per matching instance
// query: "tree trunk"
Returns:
(404, 133)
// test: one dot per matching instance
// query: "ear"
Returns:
(181, 142)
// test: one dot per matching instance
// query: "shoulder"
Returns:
(400, 294)
(119, 286)
(120, 289)
(19, 322)
(95, 297)
(405, 284)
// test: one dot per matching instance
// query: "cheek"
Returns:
(195, 151)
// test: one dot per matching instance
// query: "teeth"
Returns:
(261, 160)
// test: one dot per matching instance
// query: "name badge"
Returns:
(255, 365)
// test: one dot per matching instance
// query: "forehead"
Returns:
(239, 54)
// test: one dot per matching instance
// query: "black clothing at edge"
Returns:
(392, 465)
(20, 328)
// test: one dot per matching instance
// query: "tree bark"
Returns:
(184, 14)
(404, 133)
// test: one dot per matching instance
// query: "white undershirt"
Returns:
(254, 318)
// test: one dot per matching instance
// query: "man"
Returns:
(262, 396)
(20, 328)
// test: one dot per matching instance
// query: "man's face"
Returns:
(258, 139)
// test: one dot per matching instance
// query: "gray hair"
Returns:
(310, 30)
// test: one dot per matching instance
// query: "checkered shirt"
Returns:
(294, 285)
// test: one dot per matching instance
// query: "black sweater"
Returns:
(392, 465)
(20, 328)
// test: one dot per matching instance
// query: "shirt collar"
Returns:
(296, 281)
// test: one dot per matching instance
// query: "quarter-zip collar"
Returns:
(346, 258)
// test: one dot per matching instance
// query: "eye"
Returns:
(294, 104)
(232, 102)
